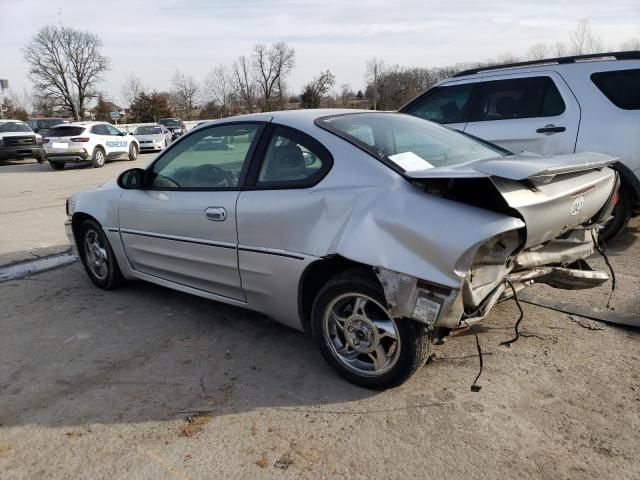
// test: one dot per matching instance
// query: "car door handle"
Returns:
(550, 129)
(217, 214)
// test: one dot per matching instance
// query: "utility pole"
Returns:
(4, 85)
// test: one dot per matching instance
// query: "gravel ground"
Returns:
(147, 383)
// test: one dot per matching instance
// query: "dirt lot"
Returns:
(148, 383)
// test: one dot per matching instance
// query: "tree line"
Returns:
(66, 66)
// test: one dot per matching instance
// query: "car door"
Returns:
(182, 226)
(526, 112)
(448, 104)
(117, 144)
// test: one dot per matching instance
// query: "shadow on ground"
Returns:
(71, 353)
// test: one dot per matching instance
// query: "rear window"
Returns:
(621, 87)
(518, 98)
(65, 131)
(408, 142)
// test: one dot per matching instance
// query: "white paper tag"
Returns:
(410, 162)
(59, 145)
(426, 309)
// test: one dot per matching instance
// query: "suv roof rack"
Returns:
(629, 55)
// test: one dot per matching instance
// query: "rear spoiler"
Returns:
(520, 167)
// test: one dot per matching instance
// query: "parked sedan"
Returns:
(377, 232)
(153, 137)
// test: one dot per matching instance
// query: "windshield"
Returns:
(148, 130)
(49, 122)
(169, 122)
(408, 142)
(14, 127)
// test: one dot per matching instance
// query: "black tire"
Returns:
(133, 152)
(112, 277)
(414, 338)
(99, 157)
(56, 165)
(621, 215)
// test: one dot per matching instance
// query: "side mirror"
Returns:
(122, 134)
(132, 179)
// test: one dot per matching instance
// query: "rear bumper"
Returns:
(20, 152)
(71, 157)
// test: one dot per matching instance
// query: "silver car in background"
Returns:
(153, 137)
(377, 232)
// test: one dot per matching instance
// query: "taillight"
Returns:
(45, 140)
(613, 201)
(79, 139)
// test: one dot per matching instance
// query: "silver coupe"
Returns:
(378, 233)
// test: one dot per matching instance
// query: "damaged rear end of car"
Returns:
(562, 202)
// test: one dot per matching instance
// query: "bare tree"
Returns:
(537, 52)
(243, 84)
(559, 49)
(65, 65)
(315, 90)
(631, 44)
(218, 86)
(346, 94)
(583, 40)
(131, 88)
(184, 93)
(375, 68)
(272, 66)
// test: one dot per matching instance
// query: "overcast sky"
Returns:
(153, 38)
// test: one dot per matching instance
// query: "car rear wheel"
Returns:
(358, 337)
(621, 215)
(56, 165)
(98, 258)
(99, 158)
(133, 152)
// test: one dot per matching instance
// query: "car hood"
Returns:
(155, 136)
(17, 134)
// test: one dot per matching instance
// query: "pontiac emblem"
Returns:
(576, 206)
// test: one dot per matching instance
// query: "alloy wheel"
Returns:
(361, 335)
(95, 254)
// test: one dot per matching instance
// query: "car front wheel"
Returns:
(97, 255)
(133, 152)
(359, 339)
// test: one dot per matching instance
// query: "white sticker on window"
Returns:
(410, 162)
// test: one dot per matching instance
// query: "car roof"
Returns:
(6, 120)
(596, 61)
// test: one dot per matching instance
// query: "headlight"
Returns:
(39, 139)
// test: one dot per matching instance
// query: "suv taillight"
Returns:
(45, 140)
(79, 139)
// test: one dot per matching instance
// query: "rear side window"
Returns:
(518, 98)
(443, 104)
(621, 87)
(69, 131)
(294, 160)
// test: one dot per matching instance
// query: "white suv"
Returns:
(553, 106)
(93, 141)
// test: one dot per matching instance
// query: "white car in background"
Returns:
(556, 106)
(153, 137)
(96, 142)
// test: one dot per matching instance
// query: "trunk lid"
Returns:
(552, 194)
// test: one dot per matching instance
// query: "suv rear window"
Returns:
(65, 131)
(518, 98)
(621, 87)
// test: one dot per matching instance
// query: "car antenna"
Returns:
(475, 387)
(515, 297)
